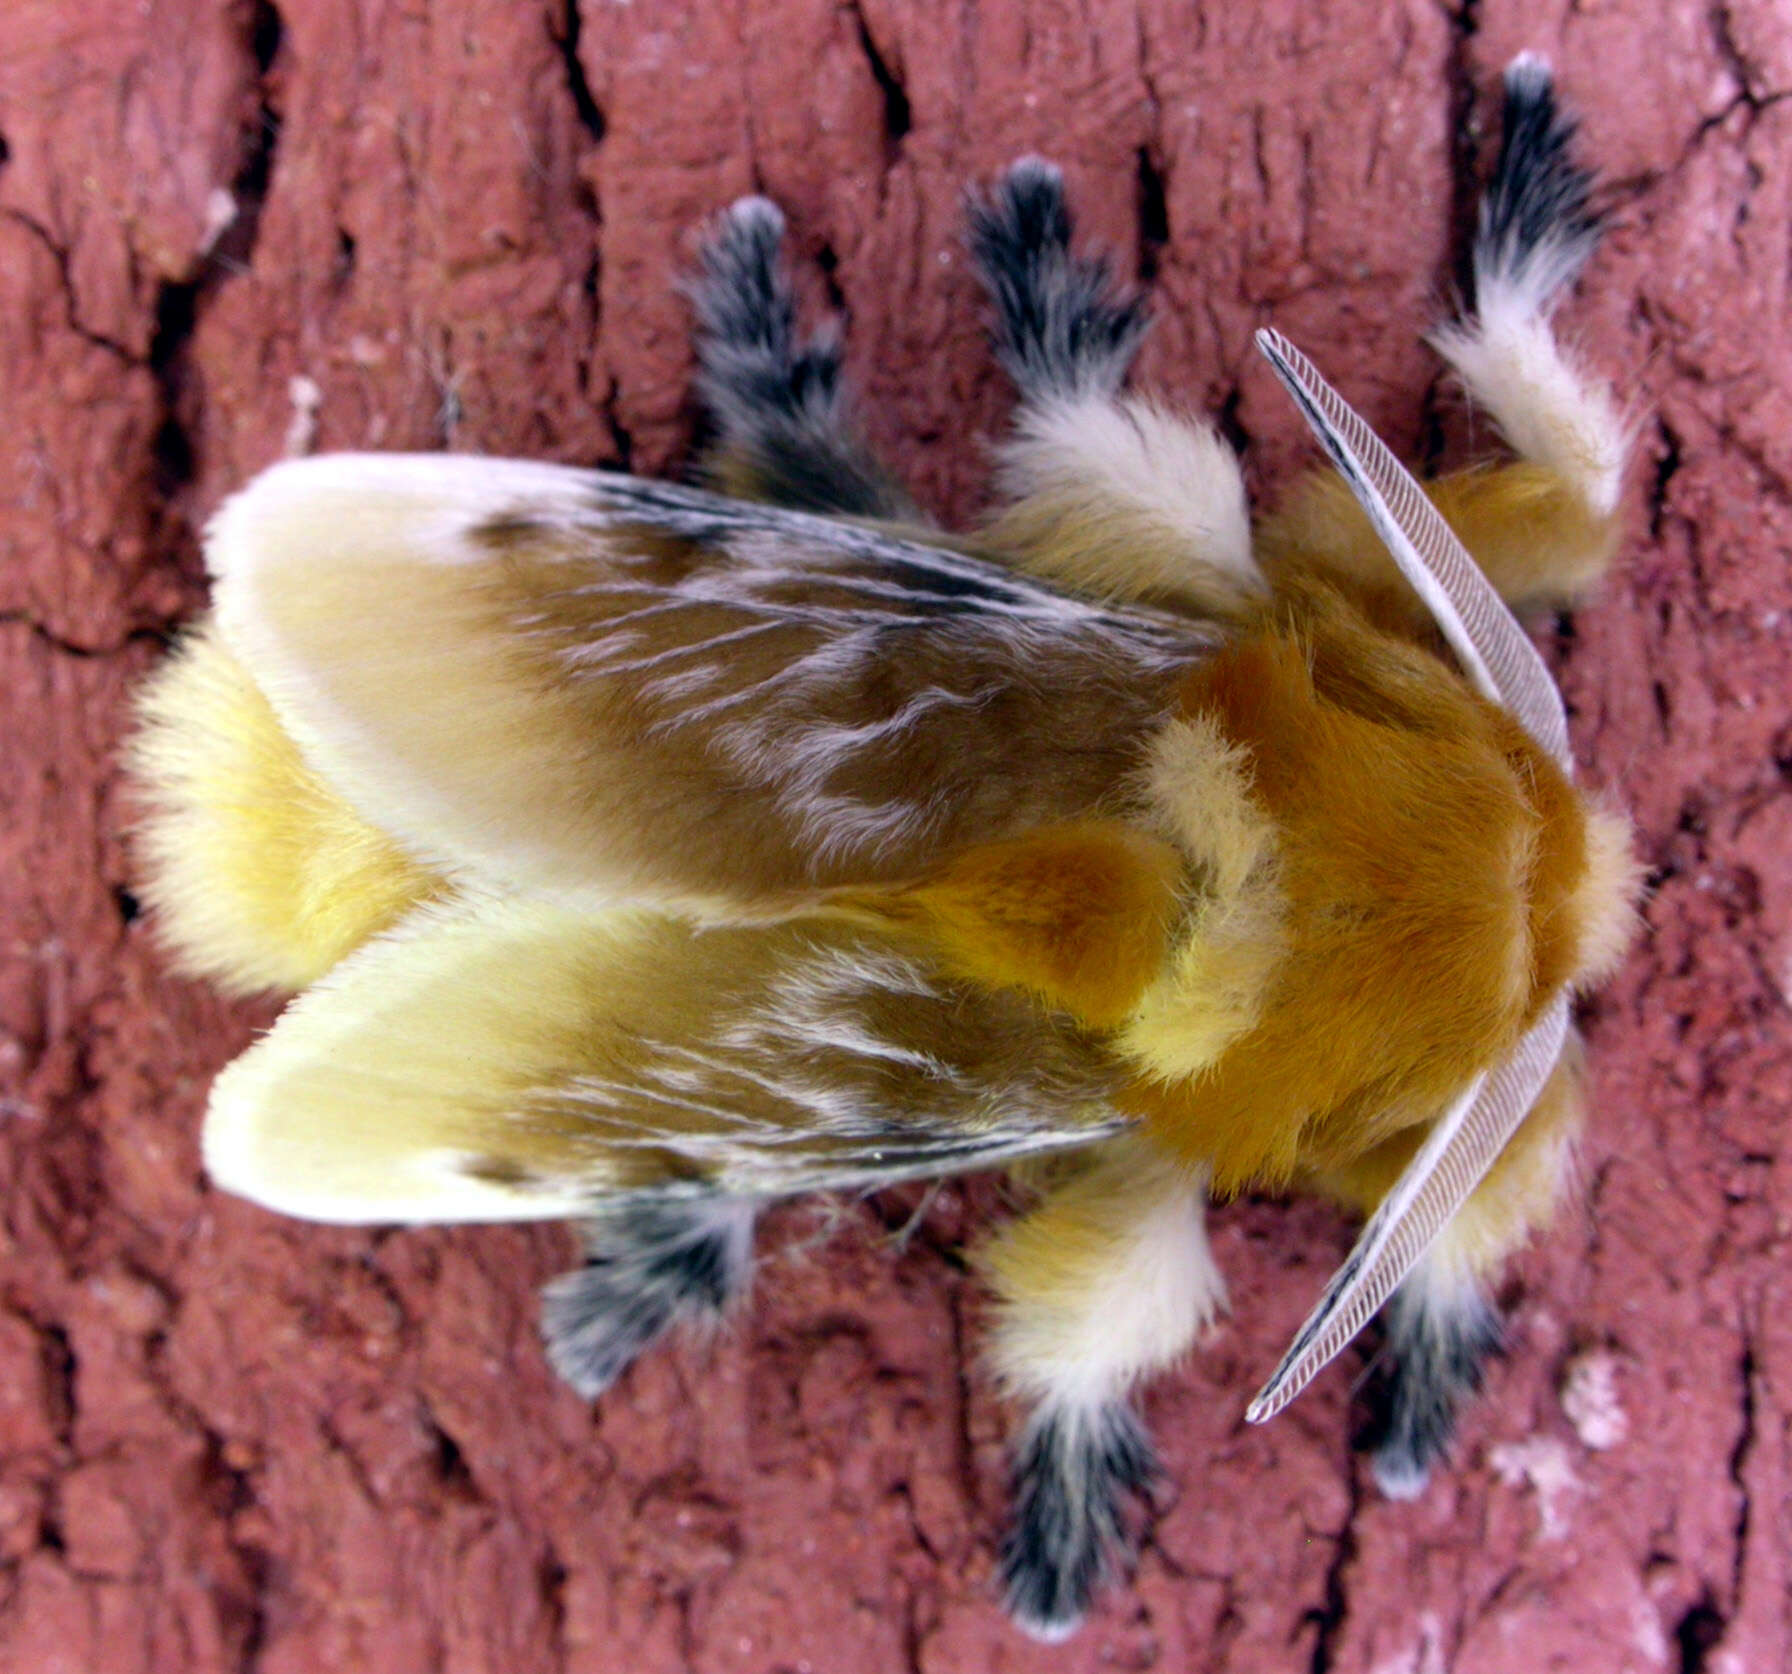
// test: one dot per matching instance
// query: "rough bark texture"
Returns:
(230, 1442)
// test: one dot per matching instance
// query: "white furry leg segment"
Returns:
(1441, 1329)
(1062, 327)
(780, 406)
(1110, 1278)
(649, 1262)
(1535, 235)
(1117, 497)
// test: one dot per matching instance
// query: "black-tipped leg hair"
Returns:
(784, 434)
(1433, 1361)
(1063, 328)
(1536, 230)
(648, 1264)
(1075, 1471)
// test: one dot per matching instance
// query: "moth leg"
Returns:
(1109, 494)
(1440, 1330)
(1440, 1327)
(784, 433)
(1063, 328)
(1545, 527)
(1536, 233)
(1106, 1280)
(650, 1261)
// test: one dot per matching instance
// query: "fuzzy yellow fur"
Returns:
(1108, 1278)
(1119, 498)
(1537, 540)
(1231, 945)
(258, 873)
(1079, 915)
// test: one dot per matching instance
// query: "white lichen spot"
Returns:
(1590, 1400)
(1647, 1633)
(1542, 1465)
(306, 398)
(220, 217)
(1426, 1657)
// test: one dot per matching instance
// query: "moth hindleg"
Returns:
(650, 1261)
(1106, 1280)
(784, 433)
(1110, 494)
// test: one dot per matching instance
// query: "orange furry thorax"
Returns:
(1432, 866)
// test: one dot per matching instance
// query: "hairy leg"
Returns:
(1544, 528)
(1440, 1327)
(649, 1262)
(780, 408)
(1108, 1279)
(1109, 494)
(1440, 1330)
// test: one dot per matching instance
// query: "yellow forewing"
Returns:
(506, 1059)
(566, 681)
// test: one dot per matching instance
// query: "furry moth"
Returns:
(642, 853)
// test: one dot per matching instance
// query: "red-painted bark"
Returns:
(230, 1442)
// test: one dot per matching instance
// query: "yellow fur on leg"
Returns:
(1518, 1196)
(259, 875)
(1118, 498)
(1536, 539)
(1109, 1278)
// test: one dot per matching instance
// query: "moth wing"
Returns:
(566, 680)
(512, 1059)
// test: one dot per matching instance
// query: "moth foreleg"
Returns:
(1107, 1280)
(779, 404)
(1544, 527)
(1440, 1327)
(1440, 1331)
(1535, 234)
(649, 1262)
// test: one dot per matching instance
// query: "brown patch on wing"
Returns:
(807, 724)
(1080, 915)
